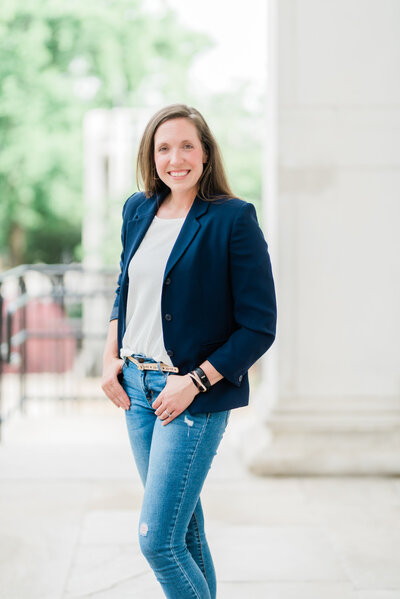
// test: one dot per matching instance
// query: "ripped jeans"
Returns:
(173, 462)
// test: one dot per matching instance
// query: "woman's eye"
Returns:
(165, 148)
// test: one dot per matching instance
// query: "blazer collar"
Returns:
(144, 215)
(149, 206)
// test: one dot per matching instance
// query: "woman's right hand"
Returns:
(111, 386)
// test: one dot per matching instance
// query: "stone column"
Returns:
(109, 146)
(329, 402)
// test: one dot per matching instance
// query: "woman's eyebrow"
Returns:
(165, 143)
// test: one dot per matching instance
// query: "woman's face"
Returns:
(178, 155)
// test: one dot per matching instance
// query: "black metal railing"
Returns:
(53, 324)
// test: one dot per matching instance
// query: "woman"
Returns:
(195, 307)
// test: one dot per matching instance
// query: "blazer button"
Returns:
(240, 377)
(170, 352)
(167, 281)
(168, 317)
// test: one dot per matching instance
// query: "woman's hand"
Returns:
(111, 385)
(177, 395)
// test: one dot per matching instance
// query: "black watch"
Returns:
(203, 377)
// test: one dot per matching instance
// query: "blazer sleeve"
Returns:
(254, 299)
(114, 311)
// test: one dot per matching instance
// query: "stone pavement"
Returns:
(70, 500)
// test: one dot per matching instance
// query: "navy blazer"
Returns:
(218, 296)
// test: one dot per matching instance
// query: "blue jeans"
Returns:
(173, 462)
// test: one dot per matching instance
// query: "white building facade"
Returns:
(330, 398)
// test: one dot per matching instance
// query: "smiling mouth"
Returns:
(178, 174)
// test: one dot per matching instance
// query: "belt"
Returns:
(142, 365)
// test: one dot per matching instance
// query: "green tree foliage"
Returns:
(57, 60)
(239, 132)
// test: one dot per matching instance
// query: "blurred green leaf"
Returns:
(58, 60)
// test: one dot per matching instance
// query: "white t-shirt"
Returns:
(146, 269)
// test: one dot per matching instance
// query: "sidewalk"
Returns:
(69, 506)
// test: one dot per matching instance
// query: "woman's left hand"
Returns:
(177, 395)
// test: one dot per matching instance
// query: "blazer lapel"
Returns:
(143, 217)
(138, 225)
(188, 232)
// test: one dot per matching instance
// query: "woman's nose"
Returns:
(175, 157)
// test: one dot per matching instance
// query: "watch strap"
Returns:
(203, 377)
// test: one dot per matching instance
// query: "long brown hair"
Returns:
(213, 183)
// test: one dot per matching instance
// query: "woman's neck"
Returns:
(175, 205)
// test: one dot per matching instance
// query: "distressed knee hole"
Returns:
(143, 529)
(188, 422)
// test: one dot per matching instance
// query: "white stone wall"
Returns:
(333, 148)
(339, 198)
